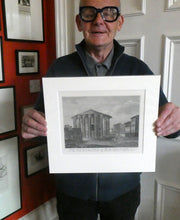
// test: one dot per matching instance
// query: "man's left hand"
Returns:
(168, 121)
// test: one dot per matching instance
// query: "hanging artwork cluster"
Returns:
(22, 22)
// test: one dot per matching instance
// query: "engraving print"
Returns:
(101, 121)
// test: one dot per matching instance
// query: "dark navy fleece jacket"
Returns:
(103, 186)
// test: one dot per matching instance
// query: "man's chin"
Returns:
(98, 45)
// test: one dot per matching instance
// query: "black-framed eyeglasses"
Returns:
(108, 14)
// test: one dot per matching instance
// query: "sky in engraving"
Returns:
(121, 108)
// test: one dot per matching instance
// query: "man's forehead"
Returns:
(100, 3)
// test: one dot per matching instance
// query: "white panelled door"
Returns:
(151, 32)
(156, 24)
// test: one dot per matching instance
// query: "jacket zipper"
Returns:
(97, 185)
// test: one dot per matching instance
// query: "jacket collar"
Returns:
(118, 51)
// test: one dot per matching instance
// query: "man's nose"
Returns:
(99, 18)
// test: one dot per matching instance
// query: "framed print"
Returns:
(23, 20)
(7, 109)
(10, 190)
(36, 159)
(27, 62)
(1, 62)
(101, 124)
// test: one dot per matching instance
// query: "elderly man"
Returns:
(114, 196)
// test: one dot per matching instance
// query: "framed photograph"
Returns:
(36, 159)
(23, 20)
(10, 190)
(27, 62)
(101, 124)
(1, 62)
(7, 109)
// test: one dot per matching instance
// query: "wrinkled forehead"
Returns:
(100, 3)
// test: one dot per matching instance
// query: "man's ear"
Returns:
(79, 23)
(120, 22)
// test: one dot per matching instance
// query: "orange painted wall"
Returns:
(39, 187)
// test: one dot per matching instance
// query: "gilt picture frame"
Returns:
(101, 124)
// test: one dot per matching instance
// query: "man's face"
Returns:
(99, 33)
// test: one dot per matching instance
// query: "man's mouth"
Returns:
(98, 32)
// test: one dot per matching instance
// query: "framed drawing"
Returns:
(36, 159)
(27, 62)
(10, 190)
(23, 20)
(101, 124)
(1, 62)
(7, 109)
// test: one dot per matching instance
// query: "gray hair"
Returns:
(80, 3)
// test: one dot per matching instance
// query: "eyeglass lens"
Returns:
(89, 14)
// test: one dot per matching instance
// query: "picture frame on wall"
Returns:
(36, 159)
(27, 62)
(23, 20)
(1, 62)
(7, 109)
(101, 124)
(10, 188)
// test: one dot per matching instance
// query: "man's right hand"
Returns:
(34, 124)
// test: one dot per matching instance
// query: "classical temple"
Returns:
(93, 124)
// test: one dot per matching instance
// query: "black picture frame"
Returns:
(36, 159)
(10, 187)
(8, 122)
(23, 20)
(1, 62)
(27, 62)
